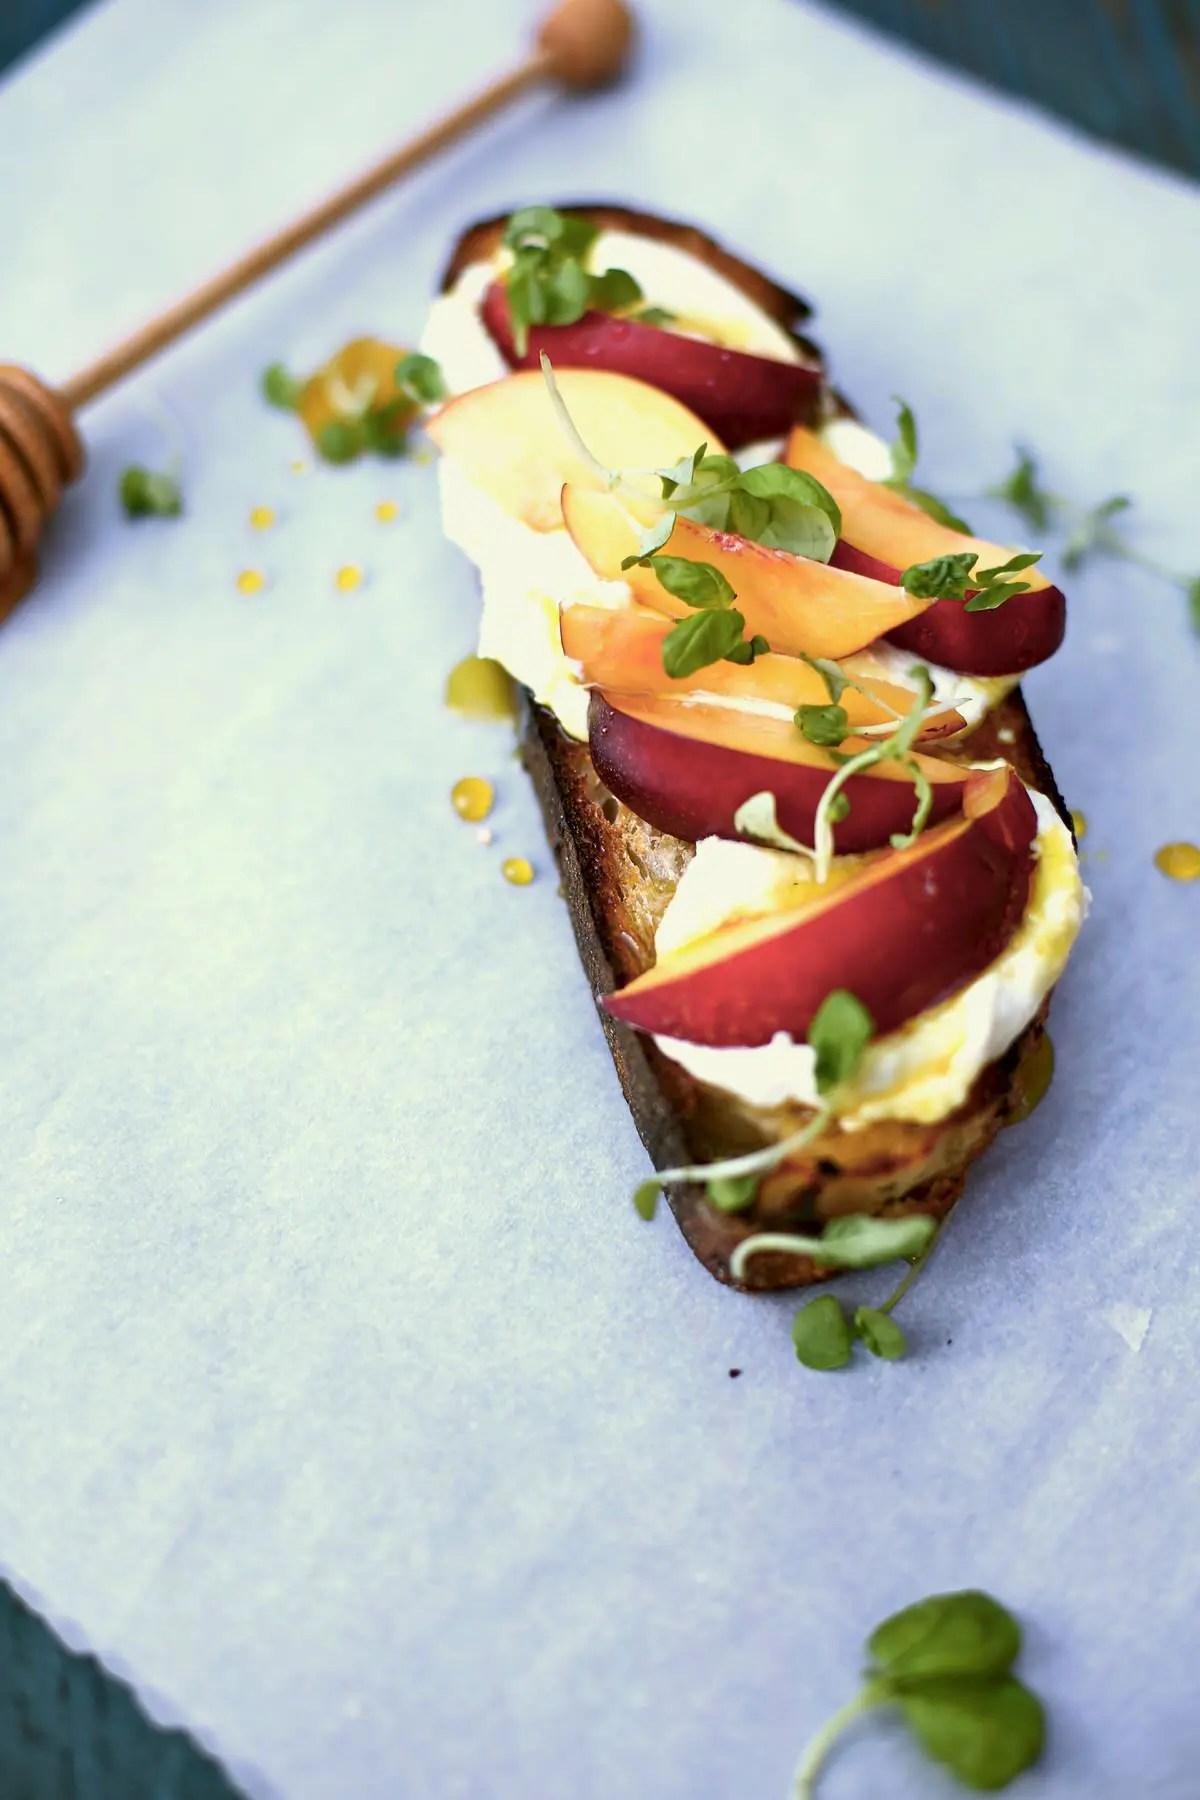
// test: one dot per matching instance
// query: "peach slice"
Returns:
(744, 397)
(906, 932)
(620, 649)
(883, 534)
(686, 766)
(510, 443)
(795, 603)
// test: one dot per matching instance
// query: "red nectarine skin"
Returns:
(687, 769)
(912, 929)
(741, 396)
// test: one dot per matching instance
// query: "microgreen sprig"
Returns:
(547, 283)
(946, 1664)
(147, 493)
(823, 1331)
(1090, 530)
(956, 576)
(905, 451)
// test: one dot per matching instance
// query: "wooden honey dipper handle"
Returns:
(582, 43)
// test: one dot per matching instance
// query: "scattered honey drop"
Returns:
(301, 466)
(1037, 1072)
(348, 577)
(479, 688)
(386, 511)
(1179, 861)
(517, 870)
(251, 581)
(262, 518)
(1080, 824)
(472, 798)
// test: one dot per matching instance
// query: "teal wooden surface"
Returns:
(1126, 70)
(23, 23)
(69, 1731)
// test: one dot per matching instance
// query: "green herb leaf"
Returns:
(144, 494)
(1093, 532)
(963, 1633)
(645, 1198)
(547, 283)
(775, 481)
(941, 578)
(695, 583)
(840, 1031)
(880, 1333)
(421, 378)
(825, 725)
(904, 460)
(732, 1193)
(821, 1334)
(281, 389)
(831, 673)
(652, 538)
(655, 315)
(706, 637)
(862, 1241)
(985, 1729)
(379, 429)
(341, 440)
(901, 840)
(757, 818)
(1193, 600)
(746, 652)
(1022, 490)
(838, 808)
(683, 473)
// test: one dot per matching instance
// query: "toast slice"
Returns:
(618, 875)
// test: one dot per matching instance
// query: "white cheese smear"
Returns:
(926, 1069)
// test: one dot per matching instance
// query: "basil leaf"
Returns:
(904, 450)
(776, 481)
(880, 1333)
(732, 1193)
(614, 291)
(985, 1730)
(1022, 490)
(824, 725)
(683, 473)
(746, 652)
(280, 388)
(656, 315)
(941, 578)
(706, 637)
(800, 530)
(144, 494)
(963, 1633)
(840, 1031)
(652, 538)
(937, 509)
(748, 516)
(831, 673)
(645, 1198)
(695, 583)
(421, 378)
(989, 598)
(821, 1334)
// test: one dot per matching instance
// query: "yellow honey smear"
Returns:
(517, 870)
(1179, 861)
(472, 798)
(348, 577)
(251, 581)
(386, 511)
(262, 518)
(1034, 1078)
(479, 688)
(1079, 822)
(300, 466)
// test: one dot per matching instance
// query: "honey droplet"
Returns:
(1179, 861)
(1079, 822)
(251, 581)
(262, 518)
(517, 870)
(301, 466)
(479, 688)
(472, 798)
(386, 511)
(348, 577)
(1035, 1075)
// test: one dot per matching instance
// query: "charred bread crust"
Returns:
(618, 874)
(480, 242)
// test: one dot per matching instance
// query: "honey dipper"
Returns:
(580, 44)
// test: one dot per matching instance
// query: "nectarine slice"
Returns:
(795, 603)
(509, 442)
(620, 649)
(906, 932)
(687, 766)
(742, 396)
(883, 533)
